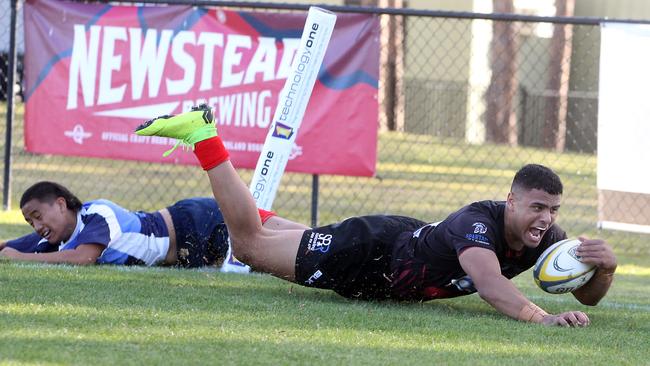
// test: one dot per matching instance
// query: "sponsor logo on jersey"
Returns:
(319, 242)
(314, 277)
(477, 236)
(479, 228)
(481, 239)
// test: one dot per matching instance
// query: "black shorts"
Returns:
(352, 257)
(201, 234)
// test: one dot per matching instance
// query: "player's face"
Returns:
(52, 221)
(529, 215)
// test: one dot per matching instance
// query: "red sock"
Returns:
(210, 152)
(266, 215)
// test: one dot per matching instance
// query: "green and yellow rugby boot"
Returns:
(188, 128)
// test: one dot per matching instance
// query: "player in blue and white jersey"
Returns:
(189, 233)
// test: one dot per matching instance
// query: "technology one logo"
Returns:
(282, 131)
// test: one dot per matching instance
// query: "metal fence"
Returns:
(466, 99)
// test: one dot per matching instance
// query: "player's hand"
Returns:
(568, 319)
(598, 253)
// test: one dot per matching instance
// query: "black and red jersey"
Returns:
(425, 264)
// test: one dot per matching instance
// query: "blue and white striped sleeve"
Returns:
(31, 243)
(96, 230)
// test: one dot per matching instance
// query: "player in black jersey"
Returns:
(476, 249)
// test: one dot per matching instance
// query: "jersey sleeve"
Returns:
(472, 230)
(98, 229)
(32, 243)
(26, 244)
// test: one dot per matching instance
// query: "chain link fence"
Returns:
(465, 102)
(5, 33)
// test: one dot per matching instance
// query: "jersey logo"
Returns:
(319, 242)
(479, 228)
(481, 239)
(314, 277)
(477, 236)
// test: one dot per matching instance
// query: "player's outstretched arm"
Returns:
(598, 253)
(84, 254)
(483, 268)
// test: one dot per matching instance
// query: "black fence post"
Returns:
(314, 200)
(11, 73)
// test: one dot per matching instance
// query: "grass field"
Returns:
(114, 315)
(108, 315)
(133, 316)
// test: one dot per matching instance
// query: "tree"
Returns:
(501, 121)
(555, 109)
(391, 63)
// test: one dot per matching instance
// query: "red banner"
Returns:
(93, 72)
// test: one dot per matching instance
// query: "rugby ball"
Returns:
(559, 269)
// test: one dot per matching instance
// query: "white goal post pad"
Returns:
(624, 128)
(289, 112)
(292, 103)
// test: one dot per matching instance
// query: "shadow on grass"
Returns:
(276, 350)
(172, 293)
(198, 342)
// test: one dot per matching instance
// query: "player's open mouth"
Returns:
(46, 234)
(536, 233)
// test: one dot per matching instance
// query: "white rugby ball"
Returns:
(559, 269)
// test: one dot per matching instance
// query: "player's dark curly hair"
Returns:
(535, 176)
(48, 192)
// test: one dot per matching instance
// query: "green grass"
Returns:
(111, 315)
(116, 315)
